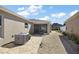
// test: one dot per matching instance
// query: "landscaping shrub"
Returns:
(75, 38)
(72, 37)
(77, 41)
(65, 34)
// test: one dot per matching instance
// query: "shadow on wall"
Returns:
(69, 45)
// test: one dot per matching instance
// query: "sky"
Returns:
(53, 13)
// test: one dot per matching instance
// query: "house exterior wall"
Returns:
(0, 31)
(72, 26)
(48, 28)
(31, 31)
(10, 27)
(1, 26)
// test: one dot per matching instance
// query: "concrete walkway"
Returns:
(30, 47)
(51, 44)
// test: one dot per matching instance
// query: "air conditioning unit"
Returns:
(21, 38)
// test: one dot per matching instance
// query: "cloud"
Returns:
(54, 15)
(44, 18)
(36, 13)
(43, 11)
(21, 8)
(61, 14)
(33, 8)
(73, 12)
(50, 7)
(23, 13)
(30, 10)
(58, 15)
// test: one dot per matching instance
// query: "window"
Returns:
(0, 20)
(44, 28)
(26, 25)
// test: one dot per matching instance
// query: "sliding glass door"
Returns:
(40, 28)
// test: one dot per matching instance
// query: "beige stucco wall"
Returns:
(72, 26)
(10, 27)
(49, 28)
(31, 31)
(0, 31)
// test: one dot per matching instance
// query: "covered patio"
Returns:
(40, 27)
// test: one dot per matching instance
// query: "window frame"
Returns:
(1, 20)
(26, 26)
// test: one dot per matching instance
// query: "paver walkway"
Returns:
(30, 47)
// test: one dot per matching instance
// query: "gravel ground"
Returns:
(46, 44)
(52, 44)
(31, 47)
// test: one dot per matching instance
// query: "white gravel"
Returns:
(52, 44)
(31, 47)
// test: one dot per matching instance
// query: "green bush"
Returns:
(65, 34)
(77, 41)
(75, 38)
(72, 37)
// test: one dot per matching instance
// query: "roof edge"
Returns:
(73, 16)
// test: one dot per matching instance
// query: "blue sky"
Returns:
(53, 13)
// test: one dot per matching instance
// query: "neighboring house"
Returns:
(63, 28)
(12, 24)
(56, 26)
(40, 26)
(72, 24)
